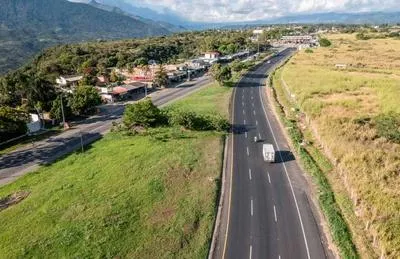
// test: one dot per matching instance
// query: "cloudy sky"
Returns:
(247, 10)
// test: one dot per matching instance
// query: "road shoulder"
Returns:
(309, 188)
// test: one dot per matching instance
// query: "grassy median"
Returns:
(145, 196)
(350, 115)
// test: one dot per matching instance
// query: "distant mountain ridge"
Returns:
(110, 8)
(27, 26)
(347, 18)
(171, 17)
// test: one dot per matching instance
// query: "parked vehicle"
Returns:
(269, 153)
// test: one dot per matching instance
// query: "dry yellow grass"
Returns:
(366, 164)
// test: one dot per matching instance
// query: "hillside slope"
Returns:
(27, 26)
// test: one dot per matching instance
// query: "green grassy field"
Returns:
(146, 196)
(342, 106)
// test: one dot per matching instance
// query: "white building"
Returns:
(68, 81)
(35, 124)
(212, 55)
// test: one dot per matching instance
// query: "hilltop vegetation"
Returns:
(28, 26)
(353, 117)
(92, 59)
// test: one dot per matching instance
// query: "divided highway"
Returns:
(268, 213)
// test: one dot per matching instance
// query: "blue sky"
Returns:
(247, 10)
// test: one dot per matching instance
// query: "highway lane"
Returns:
(269, 213)
(30, 157)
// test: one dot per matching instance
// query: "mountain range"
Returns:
(28, 26)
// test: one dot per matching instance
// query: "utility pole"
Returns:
(81, 140)
(62, 110)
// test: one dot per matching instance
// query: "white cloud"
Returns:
(248, 10)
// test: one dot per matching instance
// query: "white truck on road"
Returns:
(269, 153)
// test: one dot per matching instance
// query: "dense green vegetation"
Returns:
(221, 73)
(388, 126)
(28, 26)
(324, 42)
(32, 86)
(125, 195)
(12, 123)
(145, 114)
(93, 58)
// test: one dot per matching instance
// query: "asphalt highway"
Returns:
(269, 215)
(30, 157)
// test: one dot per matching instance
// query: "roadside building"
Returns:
(102, 81)
(68, 82)
(131, 91)
(212, 55)
(35, 123)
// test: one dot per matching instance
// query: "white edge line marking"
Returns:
(231, 177)
(287, 175)
(250, 174)
(251, 252)
(269, 178)
(251, 207)
(276, 219)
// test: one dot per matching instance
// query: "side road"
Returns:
(30, 157)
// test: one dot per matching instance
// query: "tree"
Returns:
(237, 66)
(12, 122)
(161, 77)
(141, 61)
(84, 99)
(221, 74)
(324, 42)
(56, 111)
(114, 77)
(144, 114)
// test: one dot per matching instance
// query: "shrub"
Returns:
(324, 42)
(388, 126)
(237, 66)
(191, 120)
(309, 51)
(143, 114)
(362, 36)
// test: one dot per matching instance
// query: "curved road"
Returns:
(269, 215)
